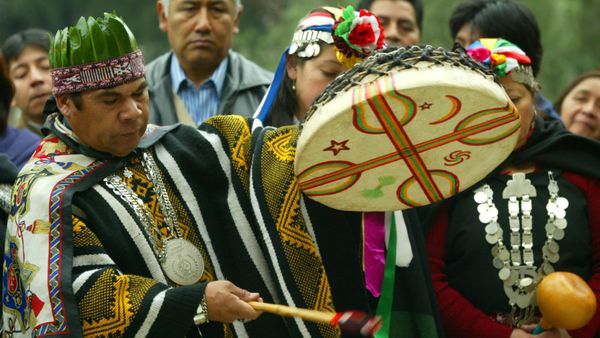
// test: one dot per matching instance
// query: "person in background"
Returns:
(473, 19)
(201, 76)
(310, 64)
(16, 143)
(16, 146)
(579, 105)
(26, 57)
(538, 212)
(402, 20)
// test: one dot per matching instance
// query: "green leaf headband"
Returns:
(95, 53)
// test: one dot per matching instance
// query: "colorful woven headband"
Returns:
(504, 58)
(356, 35)
(103, 74)
(93, 54)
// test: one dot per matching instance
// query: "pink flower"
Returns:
(479, 54)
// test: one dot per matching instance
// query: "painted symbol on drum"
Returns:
(377, 192)
(456, 158)
(336, 147)
(372, 114)
(426, 105)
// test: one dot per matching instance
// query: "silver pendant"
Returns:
(127, 173)
(523, 300)
(504, 273)
(184, 264)
(498, 263)
(560, 223)
(559, 234)
(480, 197)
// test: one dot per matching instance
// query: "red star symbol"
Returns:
(336, 147)
(425, 105)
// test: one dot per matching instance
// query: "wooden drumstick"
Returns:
(355, 322)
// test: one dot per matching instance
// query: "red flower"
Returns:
(362, 35)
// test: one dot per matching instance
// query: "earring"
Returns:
(294, 85)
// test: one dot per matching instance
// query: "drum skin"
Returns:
(404, 139)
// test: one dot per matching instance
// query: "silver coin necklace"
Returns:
(515, 263)
(180, 259)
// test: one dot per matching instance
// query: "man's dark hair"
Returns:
(507, 19)
(417, 5)
(32, 37)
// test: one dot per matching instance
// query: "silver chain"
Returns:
(516, 267)
(166, 207)
(127, 194)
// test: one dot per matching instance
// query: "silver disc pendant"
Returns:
(184, 263)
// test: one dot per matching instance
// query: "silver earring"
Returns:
(293, 85)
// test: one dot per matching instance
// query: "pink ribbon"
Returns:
(374, 251)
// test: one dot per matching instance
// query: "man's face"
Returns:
(200, 31)
(399, 21)
(30, 73)
(111, 120)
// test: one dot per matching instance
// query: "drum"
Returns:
(405, 128)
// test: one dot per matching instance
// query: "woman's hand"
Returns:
(228, 303)
(525, 332)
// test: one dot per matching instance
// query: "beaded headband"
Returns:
(356, 35)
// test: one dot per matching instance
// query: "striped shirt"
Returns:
(204, 102)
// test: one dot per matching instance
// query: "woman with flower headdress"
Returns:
(538, 212)
(326, 42)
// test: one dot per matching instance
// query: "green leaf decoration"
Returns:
(75, 53)
(98, 41)
(386, 180)
(86, 42)
(64, 48)
(121, 34)
(91, 40)
(53, 54)
(372, 193)
(112, 46)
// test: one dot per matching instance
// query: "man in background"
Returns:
(201, 77)
(401, 19)
(26, 56)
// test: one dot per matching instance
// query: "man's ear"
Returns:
(65, 106)
(236, 21)
(162, 16)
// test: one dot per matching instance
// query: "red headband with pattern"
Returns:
(102, 74)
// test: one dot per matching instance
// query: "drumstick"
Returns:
(354, 322)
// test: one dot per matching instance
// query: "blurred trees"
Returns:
(570, 29)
